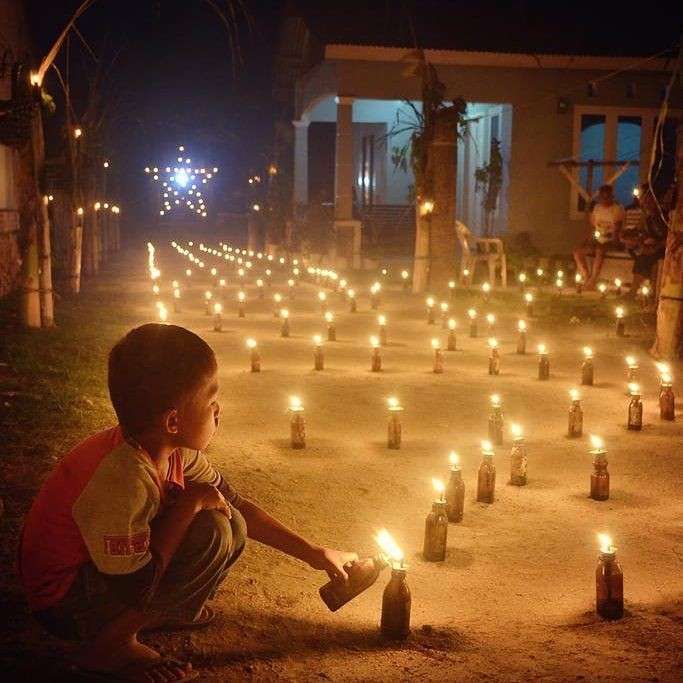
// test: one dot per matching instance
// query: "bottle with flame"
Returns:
(318, 357)
(600, 475)
(472, 314)
(284, 327)
(451, 335)
(521, 337)
(575, 423)
(543, 363)
(376, 355)
(609, 581)
(436, 527)
(394, 426)
(496, 420)
(297, 423)
(254, 356)
(455, 490)
(431, 320)
(518, 457)
(587, 367)
(494, 357)
(635, 408)
(486, 476)
(331, 326)
(438, 357)
(667, 400)
(396, 599)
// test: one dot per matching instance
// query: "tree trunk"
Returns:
(421, 262)
(76, 248)
(669, 339)
(47, 312)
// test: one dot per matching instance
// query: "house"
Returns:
(352, 105)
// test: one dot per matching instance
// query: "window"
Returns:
(592, 149)
(628, 149)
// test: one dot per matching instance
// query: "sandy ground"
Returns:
(514, 599)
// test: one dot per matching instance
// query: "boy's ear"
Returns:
(171, 421)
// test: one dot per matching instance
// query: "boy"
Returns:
(606, 222)
(134, 529)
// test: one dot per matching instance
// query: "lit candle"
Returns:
(522, 281)
(486, 476)
(635, 408)
(455, 490)
(163, 313)
(491, 322)
(451, 335)
(472, 314)
(241, 298)
(540, 273)
(155, 290)
(587, 368)
(259, 287)
(207, 301)
(374, 295)
(631, 369)
(529, 301)
(543, 362)
(217, 317)
(277, 304)
(518, 457)
(176, 300)
(667, 401)
(436, 527)
(494, 357)
(620, 329)
(382, 323)
(394, 426)
(617, 286)
(396, 601)
(451, 290)
(644, 293)
(405, 277)
(466, 280)
(521, 337)
(575, 422)
(600, 475)
(174, 284)
(560, 275)
(291, 284)
(438, 356)
(602, 288)
(444, 315)
(297, 423)
(376, 356)
(322, 297)
(486, 291)
(351, 294)
(269, 273)
(578, 282)
(318, 359)
(331, 327)
(284, 327)
(496, 420)
(430, 310)
(384, 272)
(255, 358)
(609, 581)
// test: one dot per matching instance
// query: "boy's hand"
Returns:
(207, 497)
(332, 561)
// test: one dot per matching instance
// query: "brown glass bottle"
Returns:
(298, 430)
(394, 431)
(438, 361)
(494, 362)
(521, 342)
(436, 533)
(609, 587)
(473, 328)
(431, 318)
(284, 330)
(455, 496)
(599, 476)
(332, 332)
(486, 479)
(620, 328)
(543, 367)
(451, 341)
(353, 306)
(635, 413)
(255, 361)
(496, 425)
(396, 602)
(518, 462)
(667, 402)
(318, 358)
(575, 422)
(376, 360)
(587, 372)
(361, 575)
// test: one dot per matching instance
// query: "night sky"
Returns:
(176, 81)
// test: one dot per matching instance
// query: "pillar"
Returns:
(301, 161)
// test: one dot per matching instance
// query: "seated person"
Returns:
(606, 222)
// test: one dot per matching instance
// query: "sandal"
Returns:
(206, 616)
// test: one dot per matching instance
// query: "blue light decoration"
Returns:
(182, 186)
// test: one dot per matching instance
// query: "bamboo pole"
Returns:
(669, 338)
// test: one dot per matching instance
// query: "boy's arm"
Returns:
(265, 529)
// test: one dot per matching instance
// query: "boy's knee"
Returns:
(212, 529)
(238, 527)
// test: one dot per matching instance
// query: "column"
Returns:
(343, 176)
(301, 160)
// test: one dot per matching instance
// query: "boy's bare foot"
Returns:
(109, 658)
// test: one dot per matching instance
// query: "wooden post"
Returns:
(669, 338)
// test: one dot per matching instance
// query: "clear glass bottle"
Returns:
(396, 603)
(496, 424)
(609, 586)
(436, 533)
(361, 575)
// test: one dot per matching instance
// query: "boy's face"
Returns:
(198, 415)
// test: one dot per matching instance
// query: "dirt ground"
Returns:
(514, 599)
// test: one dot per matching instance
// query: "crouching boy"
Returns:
(134, 529)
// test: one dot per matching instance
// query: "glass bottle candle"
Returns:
(518, 457)
(496, 420)
(578, 282)
(374, 295)
(405, 278)
(438, 356)
(284, 327)
(297, 423)
(259, 289)
(318, 357)
(436, 527)
(472, 314)
(322, 297)
(529, 303)
(277, 304)
(455, 491)
(431, 320)
(394, 426)
(486, 292)
(290, 289)
(486, 476)
(620, 328)
(600, 475)
(602, 288)
(667, 401)
(382, 324)
(444, 315)
(494, 357)
(451, 335)
(207, 302)
(521, 278)
(376, 355)
(635, 408)
(575, 422)
(361, 575)
(491, 323)
(331, 327)
(609, 582)
(351, 294)
(254, 356)
(396, 603)
(241, 298)
(587, 368)
(543, 363)
(521, 337)
(217, 317)
(451, 291)
(617, 286)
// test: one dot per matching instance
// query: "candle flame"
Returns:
(472, 313)
(317, 339)
(277, 297)
(617, 282)
(241, 296)
(322, 296)
(375, 287)
(444, 306)
(634, 388)
(295, 403)
(666, 379)
(619, 311)
(542, 349)
(438, 485)
(516, 431)
(454, 458)
(393, 403)
(574, 394)
(486, 288)
(559, 282)
(528, 297)
(451, 323)
(605, 541)
(597, 442)
(329, 316)
(404, 274)
(663, 368)
(451, 284)
(587, 351)
(217, 308)
(251, 343)
(259, 282)
(495, 400)
(207, 295)
(351, 293)
(486, 447)
(163, 313)
(602, 287)
(436, 344)
(374, 342)
(521, 325)
(522, 277)
(381, 319)
(430, 301)
(490, 318)
(284, 313)
(493, 343)
(388, 545)
(578, 278)
(176, 293)
(631, 361)
(539, 272)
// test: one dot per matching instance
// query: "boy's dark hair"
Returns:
(606, 189)
(153, 368)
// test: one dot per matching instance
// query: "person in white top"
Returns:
(606, 221)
